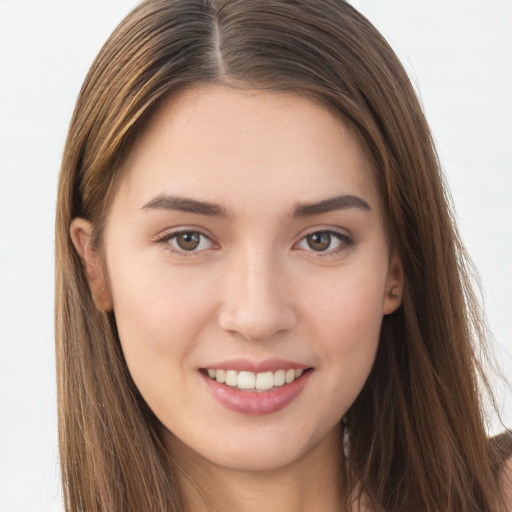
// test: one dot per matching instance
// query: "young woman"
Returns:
(262, 302)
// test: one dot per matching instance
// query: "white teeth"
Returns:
(255, 381)
(279, 378)
(246, 380)
(290, 376)
(264, 380)
(231, 378)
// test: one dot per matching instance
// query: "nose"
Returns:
(257, 303)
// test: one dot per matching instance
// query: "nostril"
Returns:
(257, 321)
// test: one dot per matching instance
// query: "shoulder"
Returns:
(503, 445)
(506, 484)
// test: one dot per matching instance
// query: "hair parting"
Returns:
(418, 438)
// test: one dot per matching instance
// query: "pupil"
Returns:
(188, 241)
(319, 241)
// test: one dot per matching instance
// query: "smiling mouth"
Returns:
(257, 382)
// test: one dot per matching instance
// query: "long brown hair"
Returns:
(417, 432)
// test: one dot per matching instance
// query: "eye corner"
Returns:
(185, 241)
(325, 242)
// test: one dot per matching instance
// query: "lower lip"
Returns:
(257, 403)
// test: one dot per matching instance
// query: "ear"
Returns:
(394, 285)
(81, 235)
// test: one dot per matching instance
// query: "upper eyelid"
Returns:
(165, 238)
(325, 229)
(338, 234)
(173, 232)
(346, 242)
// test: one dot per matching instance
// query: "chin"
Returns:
(259, 459)
(256, 449)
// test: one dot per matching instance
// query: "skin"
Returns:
(254, 288)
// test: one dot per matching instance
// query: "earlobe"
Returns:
(81, 235)
(394, 286)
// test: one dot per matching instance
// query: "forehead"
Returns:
(219, 142)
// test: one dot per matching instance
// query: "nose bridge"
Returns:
(255, 303)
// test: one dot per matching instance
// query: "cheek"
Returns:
(353, 338)
(350, 309)
(159, 311)
(160, 315)
(348, 320)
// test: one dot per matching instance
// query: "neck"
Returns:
(314, 483)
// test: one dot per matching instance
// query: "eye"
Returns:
(186, 241)
(325, 242)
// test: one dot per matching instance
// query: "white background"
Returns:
(458, 53)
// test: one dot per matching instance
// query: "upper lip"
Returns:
(248, 365)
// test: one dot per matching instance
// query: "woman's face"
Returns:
(245, 243)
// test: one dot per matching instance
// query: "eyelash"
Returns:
(165, 239)
(346, 242)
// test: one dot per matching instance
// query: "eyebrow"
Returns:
(188, 205)
(342, 202)
(184, 204)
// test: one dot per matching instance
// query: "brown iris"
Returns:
(319, 241)
(188, 241)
